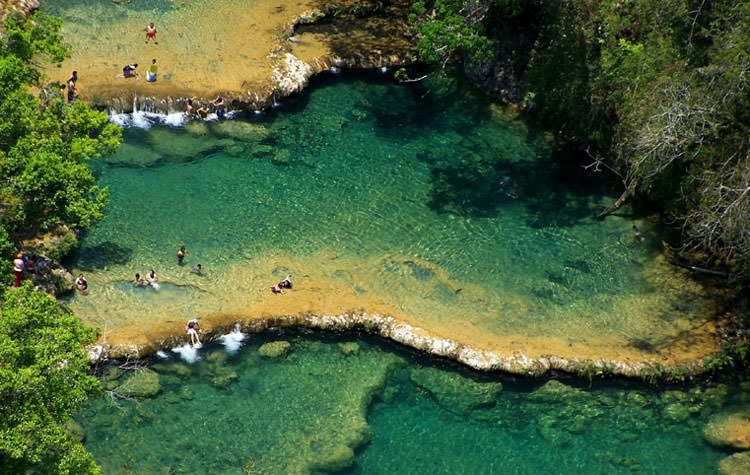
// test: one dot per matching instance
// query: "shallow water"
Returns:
(427, 203)
(363, 407)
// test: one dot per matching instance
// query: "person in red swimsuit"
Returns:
(151, 33)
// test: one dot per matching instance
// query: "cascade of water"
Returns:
(232, 341)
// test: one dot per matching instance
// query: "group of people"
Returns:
(218, 105)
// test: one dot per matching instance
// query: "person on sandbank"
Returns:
(151, 33)
(81, 283)
(284, 284)
(192, 330)
(129, 71)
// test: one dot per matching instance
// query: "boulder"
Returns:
(453, 391)
(731, 429)
(735, 464)
(275, 349)
(179, 369)
(141, 383)
(224, 377)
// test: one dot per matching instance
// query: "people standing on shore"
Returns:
(18, 269)
(71, 84)
(151, 33)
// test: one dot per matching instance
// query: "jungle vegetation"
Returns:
(655, 92)
(45, 182)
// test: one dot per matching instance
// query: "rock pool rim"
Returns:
(389, 328)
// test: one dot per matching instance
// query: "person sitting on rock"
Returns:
(192, 330)
(129, 71)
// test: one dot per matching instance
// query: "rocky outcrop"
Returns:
(729, 430)
(415, 337)
(24, 7)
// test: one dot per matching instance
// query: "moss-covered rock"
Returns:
(224, 377)
(350, 348)
(453, 391)
(275, 349)
(240, 130)
(634, 399)
(282, 157)
(676, 412)
(141, 383)
(179, 369)
(735, 464)
(554, 391)
(729, 429)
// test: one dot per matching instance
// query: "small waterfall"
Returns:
(145, 112)
(188, 352)
(233, 341)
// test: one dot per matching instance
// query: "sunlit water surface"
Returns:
(357, 406)
(426, 202)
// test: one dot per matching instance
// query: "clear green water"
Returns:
(426, 202)
(377, 409)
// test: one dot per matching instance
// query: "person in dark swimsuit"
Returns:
(181, 255)
(218, 103)
(129, 71)
(81, 283)
(71, 83)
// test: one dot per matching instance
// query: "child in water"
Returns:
(81, 283)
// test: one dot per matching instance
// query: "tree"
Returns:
(43, 379)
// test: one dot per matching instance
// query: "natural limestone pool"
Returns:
(289, 403)
(426, 203)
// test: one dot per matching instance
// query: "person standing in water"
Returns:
(151, 279)
(81, 283)
(151, 33)
(218, 103)
(181, 255)
(192, 330)
(151, 73)
(138, 280)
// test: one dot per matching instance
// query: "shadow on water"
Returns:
(101, 256)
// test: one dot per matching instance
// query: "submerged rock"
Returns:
(75, 430)
(735, 464)
(676, 412)
(729, 430)
(335, 459)
(180, 369)
(555, 391)
(242, 131)
(453, 391)
(349, 348)
(141, 383)
(275, 349)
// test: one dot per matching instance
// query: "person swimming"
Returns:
(196, 269)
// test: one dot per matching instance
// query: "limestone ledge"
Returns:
(415, 337)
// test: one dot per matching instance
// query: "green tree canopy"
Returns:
(45, 145)
(43, 379)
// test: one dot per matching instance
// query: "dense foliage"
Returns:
(656, 91)
(42, 380)
(45, 180)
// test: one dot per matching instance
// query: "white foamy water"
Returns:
(188, 352)
(162, 354)
(232, 341)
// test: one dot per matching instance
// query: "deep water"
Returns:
(351, 404)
